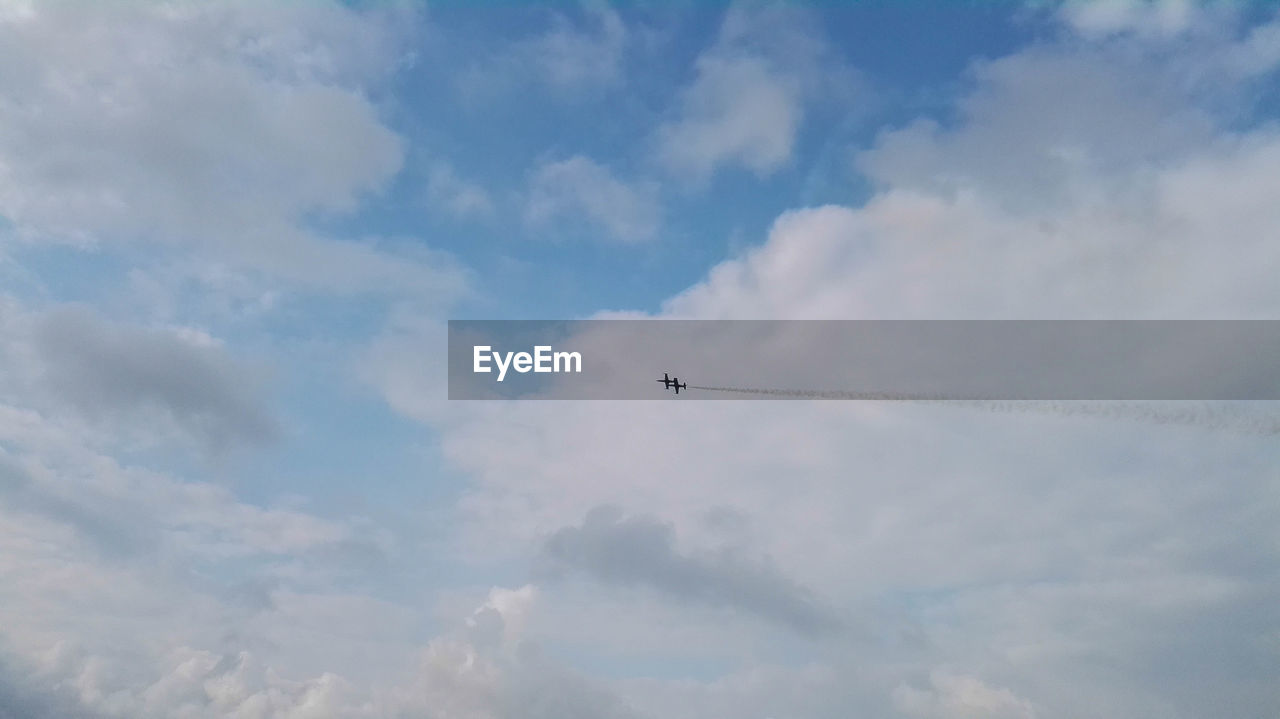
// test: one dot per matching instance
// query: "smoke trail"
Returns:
(827, 394)
(1215, 416)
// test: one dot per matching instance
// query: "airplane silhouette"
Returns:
(672, 383)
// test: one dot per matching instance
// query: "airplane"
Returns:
(672, 383)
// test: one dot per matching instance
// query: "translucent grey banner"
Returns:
(777, 359)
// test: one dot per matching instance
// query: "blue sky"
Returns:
(231, 485)
(514, 124)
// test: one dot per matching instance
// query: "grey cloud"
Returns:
(641, 551)
(106, 524)
(560, 696)
(104, 369)
(199, 684)
(25, 697)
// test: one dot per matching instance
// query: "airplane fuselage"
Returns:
(669, 382)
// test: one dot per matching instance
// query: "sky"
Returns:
(231, 484)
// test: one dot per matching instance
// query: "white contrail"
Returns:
(1217, 416)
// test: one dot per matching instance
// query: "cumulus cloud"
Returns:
(456, 196)
(72, 358)
(127, 512)
(1031, 207)
(737, 111)
(1156, 18)
(488, 670)
(462, 673)
(960, 697)
(101, 520)
(1027, 554)
(568, 57)
(575, 54)
(195, 684)
(1258, 54)
(107, 553)
(641, 551)
(212, 127)
(25, 697)
(579, 188)
(1045, 126)
(1032, 556)
(747, 101)
(407, 364)
(102, 369)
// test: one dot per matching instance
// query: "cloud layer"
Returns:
(630, 551)
(641, 559)
(217, 128)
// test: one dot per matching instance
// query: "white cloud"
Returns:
(1258, 54)
(1046, 122)
(960, 697)
(460, 673)
(1159, 18)
(407, 365)
(146, 596)
(108, 553)
(579, 188)
(1024, 556)
(127, 511)
(570, 57)
(747, 102)
(1205, 44)
(737, 111)
(452, 194)
(211, 127)
(1032, 207)
(505, 610)
(1029, 556)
